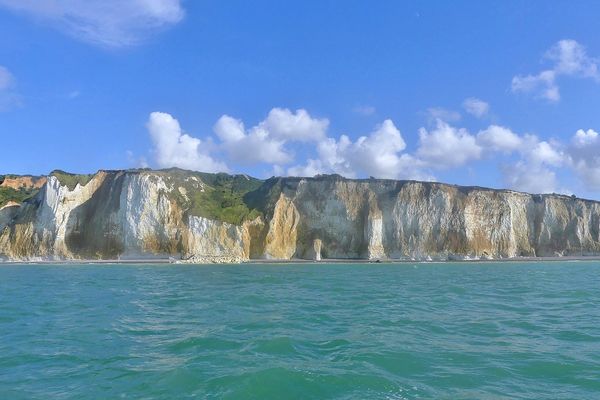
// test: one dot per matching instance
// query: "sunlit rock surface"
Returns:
(195, 217)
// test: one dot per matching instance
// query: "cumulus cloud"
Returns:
(476, 107)
(109, 23)
(543, 152)
(569, 58)
(589, 173)
(378, 154)
(531, 178)
(281, 123)
(173, 148)
(8, 97)
(334, 157)
(584, 157)
(499, 138)
(256, 146)
(535, 171)
(446, 146)
(582, 138)
(311, 168)
(265, 142)
(527, 163)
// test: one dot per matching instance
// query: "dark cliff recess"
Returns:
(92, 229)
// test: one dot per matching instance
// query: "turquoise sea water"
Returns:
(376, 331)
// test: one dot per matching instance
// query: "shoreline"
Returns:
(162, 261)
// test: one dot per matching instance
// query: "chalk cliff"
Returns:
(199, 217)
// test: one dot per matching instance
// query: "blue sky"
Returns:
(500, 94)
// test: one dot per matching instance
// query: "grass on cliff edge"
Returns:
(71, 180)
(222, 198)
(17, 195)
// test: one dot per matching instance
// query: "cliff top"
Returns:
(227, 197)
(14, 189)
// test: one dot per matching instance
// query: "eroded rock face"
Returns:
(282, 236)
(26, 181)
(140, 214)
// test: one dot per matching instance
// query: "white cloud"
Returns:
(582, 138)
(264, 143)
(588, 172)
(584, 157)
(530, 178)
(499, 138)
(544, 153)
(476, 107)
(447, 147)
(569, 58)
(543, 85)
(256, 146)
(540, 160)
(532, 167)
(281, 123)
(333, 158)
(531, 148)
(229, 129)
(535, 171)
(435, 113)
(377, 154)
(8, 97)
(173, 148)
(311, 168)
(109, 23)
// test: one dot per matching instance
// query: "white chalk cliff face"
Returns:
(158, 214)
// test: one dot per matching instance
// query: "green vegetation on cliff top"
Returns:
(71, 180)
(223, 197)
(17, 195)
(215, 196)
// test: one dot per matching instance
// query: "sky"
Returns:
(487, 93)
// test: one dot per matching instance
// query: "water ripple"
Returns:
(427, 331)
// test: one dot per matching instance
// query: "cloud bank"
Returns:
(173, 148)
(525, 162)
(297, 143)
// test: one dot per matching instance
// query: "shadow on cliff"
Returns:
(93, 230)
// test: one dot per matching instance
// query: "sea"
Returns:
(491, 330)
